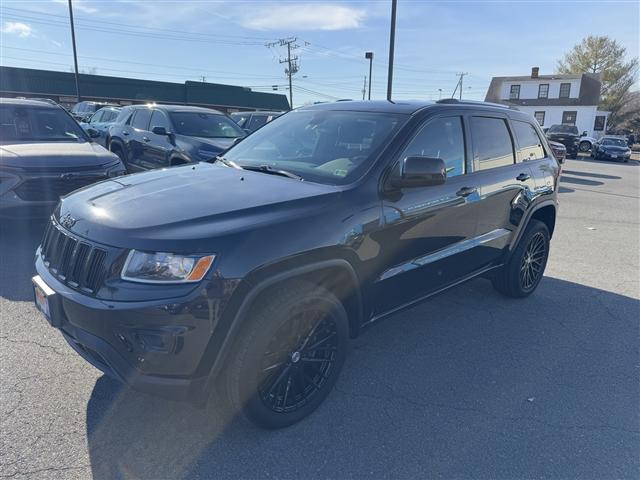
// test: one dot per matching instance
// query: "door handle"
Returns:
(146, 139)
(125, 133)
(466, 191)
(523, 177)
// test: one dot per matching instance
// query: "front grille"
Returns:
(73, 261)
(52, 188)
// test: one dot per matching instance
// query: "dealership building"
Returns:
(61, 87)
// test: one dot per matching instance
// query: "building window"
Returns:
(599, 123)
(543, 90)
(539, 116)
(569, 118)
(565, 90)
(514, 92)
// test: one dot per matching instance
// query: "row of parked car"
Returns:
(609, 147)
(48, 152)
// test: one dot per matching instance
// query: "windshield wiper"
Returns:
(228, 163)
(270, 170)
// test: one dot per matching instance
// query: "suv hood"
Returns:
(194, 203)
(54, 155)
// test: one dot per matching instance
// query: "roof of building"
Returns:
(20, 81)
(589, 94)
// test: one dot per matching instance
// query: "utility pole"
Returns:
(292, 62)
(75, 55)
(392, 43)
(369, 56)
(364, 87)
(459, 85)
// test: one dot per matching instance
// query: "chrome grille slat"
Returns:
(73, 261)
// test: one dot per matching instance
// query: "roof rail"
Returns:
(475, 102)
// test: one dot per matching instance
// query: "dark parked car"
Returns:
(611, 148)
(559, 150)
(82, 111)
(154, 136)
(98, 125)
(248, 277)
(567, 135)
(251, 121)
(44, 154)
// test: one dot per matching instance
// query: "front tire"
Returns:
(520, 276)
(585, 146)
(288, 355)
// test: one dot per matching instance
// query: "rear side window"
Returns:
(440, 138)
(492, 145)
(257, 121)
(530, 146)
(158, 119)
(141, 119)
(97, 117)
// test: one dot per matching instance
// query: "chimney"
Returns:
(534, 72)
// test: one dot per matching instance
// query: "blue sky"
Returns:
(224, 41)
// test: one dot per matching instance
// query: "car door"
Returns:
(156, 148)
(506, 183)
(428, 232)
(136, 134)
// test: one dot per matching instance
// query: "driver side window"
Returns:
(440, 138)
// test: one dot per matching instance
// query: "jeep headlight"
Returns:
(162, 267)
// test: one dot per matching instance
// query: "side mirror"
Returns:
(420, 172)
(159, 130)
(583, 134)
(93, 133)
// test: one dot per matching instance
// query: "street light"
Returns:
(369, 56)
(392, 41)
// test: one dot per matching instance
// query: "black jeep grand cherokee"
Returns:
(249, 276)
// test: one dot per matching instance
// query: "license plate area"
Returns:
(46, 301)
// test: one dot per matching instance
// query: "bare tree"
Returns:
(605, 56)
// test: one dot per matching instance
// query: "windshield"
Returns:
(19, 123)
(614, 142)
(570, 129)
(207, 125)
(333, 147)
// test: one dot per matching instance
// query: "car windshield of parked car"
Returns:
(614, 142)
(332, 147)
(207, 125)
(20, 123)
(570, 129)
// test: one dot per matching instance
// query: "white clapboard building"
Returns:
(554, 99)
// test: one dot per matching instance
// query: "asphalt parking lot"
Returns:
(466, 385)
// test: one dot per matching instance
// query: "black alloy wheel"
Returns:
(298, 362)
(533, 261)
(287, 356)
(522, 273)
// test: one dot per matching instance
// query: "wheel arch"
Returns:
(336, 275)
(544, 212)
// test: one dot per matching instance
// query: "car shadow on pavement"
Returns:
(591, 175)
(580, 181)
(19, 240)
(467, 385)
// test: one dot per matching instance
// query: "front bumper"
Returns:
(613, 156)
(158, 347)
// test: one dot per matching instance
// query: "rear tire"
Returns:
(520, 276)
(287, 357)
(118, 151)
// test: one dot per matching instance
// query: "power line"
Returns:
(135, 27)
(292, 62)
